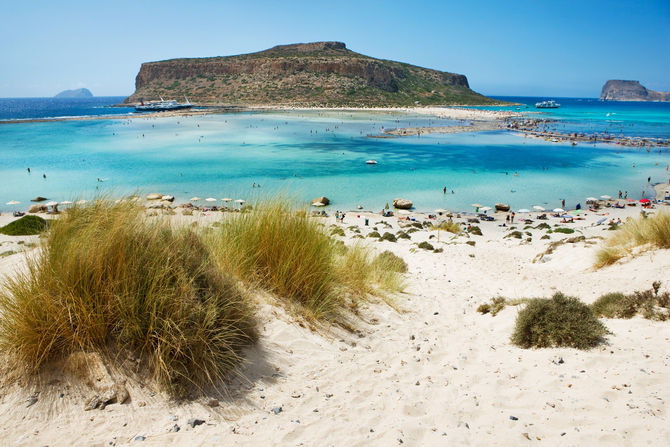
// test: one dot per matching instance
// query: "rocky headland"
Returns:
(322, 74)
(618, 90)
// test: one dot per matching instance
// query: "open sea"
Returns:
(309, 154)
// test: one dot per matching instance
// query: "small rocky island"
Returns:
(76, 93)
(617, 90)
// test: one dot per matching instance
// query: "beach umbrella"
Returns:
(52, 203)
(485, 208)
(606, 197)
(194, 199)
(591, 199)
(81, 202)
(644, 200)
(66, 202)
(13, 202)
(226, 199)
(210, 199)
(559, 210)
(476, 205)
(318, 204)
(441, 211)
(567, 216)
(403, 212)
(240, 201)
(538, 208)
(523, 210)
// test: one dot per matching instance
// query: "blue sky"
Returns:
(521, 47)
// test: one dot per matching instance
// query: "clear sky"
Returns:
(520, 47)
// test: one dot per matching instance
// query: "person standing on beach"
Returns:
(511, 220)
(620, 194)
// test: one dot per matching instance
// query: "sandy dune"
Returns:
(436, 373)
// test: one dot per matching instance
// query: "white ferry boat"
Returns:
(162, 106)
(551, 104)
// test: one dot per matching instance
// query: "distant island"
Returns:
(77, 93)
(321, 74)
(617, 90)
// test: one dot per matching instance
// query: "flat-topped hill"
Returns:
(618, 90)
(306, 74)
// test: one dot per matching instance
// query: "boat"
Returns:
(162, 106)
(550, 104)
(371, 162)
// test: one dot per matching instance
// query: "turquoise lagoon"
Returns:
(310, 154)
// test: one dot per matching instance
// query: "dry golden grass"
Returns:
(287, 253)
(651, 231)
(107, 280)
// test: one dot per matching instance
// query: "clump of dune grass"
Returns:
(653, 232)
(650, 303)
(25, 226)
(108, 280)
(561, 321)
(284, 251)
(496, 305)
(449, 226)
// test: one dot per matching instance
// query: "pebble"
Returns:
(176, 428)
(514, 418)
(139, 438)
(277, 410)
(194, 422)
(213, 402)
(32, 400)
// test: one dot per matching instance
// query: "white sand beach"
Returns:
(436, 372)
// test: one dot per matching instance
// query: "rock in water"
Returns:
(402, 204)
(618, 90)
(323, 200)
(501, 207)
(39, 199)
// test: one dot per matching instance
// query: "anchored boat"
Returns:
(162, 106)
(551, 104)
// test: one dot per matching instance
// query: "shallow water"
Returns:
(306, 155)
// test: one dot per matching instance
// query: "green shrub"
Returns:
(475, 230)
(337, 231)
(403, 235)
(514, 234)
(426, 246)
(614, 305)
(557, 322)
(471, 243)
(391, 262)
(374, 234)
(496, 305)
(25, 226)
(543, 226)
(388, 237)
(564, 230)
(450, 226)
(650, 303)
(108, 280)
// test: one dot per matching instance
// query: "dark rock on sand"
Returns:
(194, 422)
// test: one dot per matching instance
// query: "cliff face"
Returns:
(319, 73)
(617, 90)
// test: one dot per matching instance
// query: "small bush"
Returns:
(403, 235)
(25, 226)
(650, 303)
(496, 305)
(614, 305)
(388, 237)
(475, 230)
(471, 243)
(564, 230)
(543, 226)
(557, 322)
(426, 246)
(337, 231)
(391, 262)
(438, 250)
(545, 237)
(412, 230)
(514, 234)
(374, 234)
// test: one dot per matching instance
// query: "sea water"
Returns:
(309, 154)
(41, 108)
